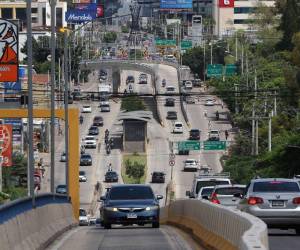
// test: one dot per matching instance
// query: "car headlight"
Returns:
(151, 208)
(113, 209)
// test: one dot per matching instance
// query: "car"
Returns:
(209, 102)
(93, 130)
(82, 176)
(195, 134)
(77, 96)
(170, 102)
(98, 121)
(170, 90)
(188, 85)
(205, 192)
(183, 152)
(70, 99)
(170, 58)
(130, 79)
(63, 157)
(86, 160)
(227, 195)
(61, 189)
(190, 99)
(191, 165)
(143, 78)
(178, 127)
(86, 109)
(197, 83)
(111, 176)
(172, 115)
(158, 177)
(89, 142)
(276, 201)
(83, 218)
(213, 135)
(104, 100)
(105, 108)
(129, 204)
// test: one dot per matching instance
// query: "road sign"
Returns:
(165, 42)
(171, 163)
(171, 156)
(189, 145)
(230, 69)
(214, 70)
(214, 145)
(186, 44)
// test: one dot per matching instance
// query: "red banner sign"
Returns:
(6, 138)
(100, 12)
(226, 3)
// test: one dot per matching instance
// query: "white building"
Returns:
(232, 15)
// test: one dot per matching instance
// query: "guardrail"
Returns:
(215, 226)
(26, 227)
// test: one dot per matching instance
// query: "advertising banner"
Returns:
(80, 16)
(9, 61)
(12, 87)
(91, 6)
(226, 3)
(176, 4)
(6, 138)
(82, 1)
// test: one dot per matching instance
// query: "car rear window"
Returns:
(131, 193)
(201, 184)
(82, 212)
(276, 186)
(206, 191)
(229, 190)
(178, 125)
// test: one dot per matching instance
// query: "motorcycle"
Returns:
(81, 120)
(163, 83)
(108, 150)
(217, 115)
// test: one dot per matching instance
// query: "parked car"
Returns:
(130, 204)
(89, 142)
(93, 130)
(205, 192)
(276, 201)
(178, 127)
(213, 135)
(172, 115)
(191, 165)
(227, 195)
(170, 102)
(86, 109)
(98, 121)
(83, 218)
(61, 189)
(63, 157)
(158, 177)
(86, 160)
(111, 176)
(194, 134)
(209, 102)
(82, 176)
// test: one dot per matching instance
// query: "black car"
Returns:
(183, 152)
(130, 204)
(130, 79)
(158, 177)
(170, 102)
(172, 115)
(111, 176)
(98, 121)
(194, 134)
(93, 130)
(61, 189)
(86, 160)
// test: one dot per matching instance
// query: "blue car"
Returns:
(130, 204)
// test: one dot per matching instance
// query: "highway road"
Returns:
(283, 239)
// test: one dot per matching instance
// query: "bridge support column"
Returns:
(116, 80)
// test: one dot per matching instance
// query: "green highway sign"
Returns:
(214, 145)
(189, 145)
(165, 42)
(214, 70)
(186, 44)
(230, 69)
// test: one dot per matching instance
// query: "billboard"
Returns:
(226, 3)
(6, 138)
(91, 6)
(80, 16)
(176, 4)
(9, 61)
(12, 87)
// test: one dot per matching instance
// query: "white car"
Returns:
(209, 102)
(170, 90)
(86, 109)
(83, 218)
(82, 176)
(105, 108)
(213, 135)
(191, 165)
(178, 127)
(188, 85)
(205, 192)
(89, 142)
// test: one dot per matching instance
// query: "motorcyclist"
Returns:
(163, 82)
(111, 142)
(81, 119)
(106, 133)
(217, 115)
(108, 149)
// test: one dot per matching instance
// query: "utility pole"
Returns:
(253, 131)
(236, 47)
(255, 84)
(242, 59)
(247, 72)
(204, 62)
(256, 138)
(270, 132)
(211, 59)
(235, 100)
(275, 103)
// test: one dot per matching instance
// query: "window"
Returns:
(7, 13)
(242, 21)
(276, 186)
(131, 193)
(59, 17)
(244, 10)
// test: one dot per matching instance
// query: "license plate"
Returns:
(277, 203)
(131, 216)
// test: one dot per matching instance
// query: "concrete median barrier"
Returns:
(215, 226)
(24, 227)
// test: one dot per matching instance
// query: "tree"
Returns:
(110, 37)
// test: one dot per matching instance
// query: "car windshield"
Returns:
(82, 212)
(178, 125)
(276, 186)
(111, 173)
(201, 184)
(190, 161)
(131, 193)
(81, 173)
(229, 190)
(84, 156)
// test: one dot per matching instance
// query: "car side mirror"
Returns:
(159, 197)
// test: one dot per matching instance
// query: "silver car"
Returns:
(274, 200)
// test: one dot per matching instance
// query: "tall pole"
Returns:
(204, 62)
(242, 59)
(247, 72)
(256, 137)
(235, 99)
(236, 47)
(270, 132)
(66, 109)
(275, 103)
(30, 104)
(253, 131)
(52, 128)
(255, 84)
(211, 59)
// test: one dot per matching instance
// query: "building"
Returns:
(232, 15)
(202, 7)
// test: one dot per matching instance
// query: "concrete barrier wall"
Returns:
(29, 229)
(217, 227)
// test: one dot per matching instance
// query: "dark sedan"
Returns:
(130, 204)
(93, 130)
(194, 134)
(170, 102)
(158, 177)
(172, 115)
(98, 121)
(61, 189)
(86, 160)
(111, 176)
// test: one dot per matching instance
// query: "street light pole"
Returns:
(211, 59)
(204, 62)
